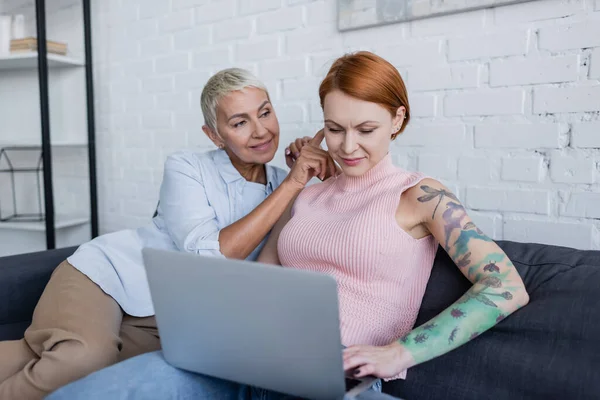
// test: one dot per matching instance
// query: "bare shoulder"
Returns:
(426, 196)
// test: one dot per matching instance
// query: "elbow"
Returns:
(521, 298)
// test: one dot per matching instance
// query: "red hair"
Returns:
(368, 77)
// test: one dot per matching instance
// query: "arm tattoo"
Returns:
(487, 302)
(432, 193)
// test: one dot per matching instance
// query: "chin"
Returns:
(263, 158)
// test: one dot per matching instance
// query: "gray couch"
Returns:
(547, 350)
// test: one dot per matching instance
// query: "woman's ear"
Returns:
(398, 120)
(212, 135)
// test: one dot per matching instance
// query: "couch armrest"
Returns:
(23, 278)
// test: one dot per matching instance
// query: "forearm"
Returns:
(497, 293)
(239, 239)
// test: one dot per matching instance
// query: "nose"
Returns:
(259, 129)
(349, 143)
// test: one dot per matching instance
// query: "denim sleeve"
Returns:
(189, 218)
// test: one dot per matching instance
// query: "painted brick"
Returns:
(509, 200)
(214, 11)
(446, 135)
(595, 64)
(478, 169)
(490, 224)
(281, 20)
(422, 105)
(192, 38)
(173, 102)
(171, 64)
(522, 169)
(571, 36)
(158, 85)
(191, 80)
(462, 22)
(142, 102)
(290, 113)
(315, 113)
(176, 21)
(283, 69)
(495, 102)
(213, 56)
(156, 46)
(583, 205)
(510, 43)
(142, 29)
(156, 120)
(586, 135)
(234, 29)
(153, 8)
(413, 53)
(549, 232)
(529, 12)
(138, 69)
(527, 72)
(570, 99)
(321, 12)
(257, 50)
(310, 42)
(421, 79)
(185, 4)
(437, 166)
(320, 64)
(566, 169)
(521, 136)
(255, 7)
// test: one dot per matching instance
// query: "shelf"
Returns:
(19, 61)
(38, 145)
(60, 222)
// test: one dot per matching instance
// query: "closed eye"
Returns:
(334, 130)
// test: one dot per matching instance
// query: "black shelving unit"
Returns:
(45, 160)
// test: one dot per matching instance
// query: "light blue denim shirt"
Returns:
(201, 194)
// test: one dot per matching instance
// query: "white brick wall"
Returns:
(504, 101)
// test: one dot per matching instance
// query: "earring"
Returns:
(221, 146)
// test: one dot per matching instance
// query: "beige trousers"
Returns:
(76, 329)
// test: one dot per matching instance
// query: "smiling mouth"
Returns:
(263, 145)
(352, 161)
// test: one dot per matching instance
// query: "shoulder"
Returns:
(190, 163)
(189, 159)
(426, 194)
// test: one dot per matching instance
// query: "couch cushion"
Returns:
(548, 349)
(22, 280)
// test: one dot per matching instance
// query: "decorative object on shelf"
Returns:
(8, 167)
(5, 23)
(30, 44)
(354, 14)
(18, 27)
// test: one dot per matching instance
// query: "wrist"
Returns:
(403, 357)
(290, 186)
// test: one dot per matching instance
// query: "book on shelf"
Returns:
(30, 44)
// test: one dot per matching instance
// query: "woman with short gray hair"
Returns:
(96, 309)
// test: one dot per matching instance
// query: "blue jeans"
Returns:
(149, 376)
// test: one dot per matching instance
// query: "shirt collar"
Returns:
(230, 174)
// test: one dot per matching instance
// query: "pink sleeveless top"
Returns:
(346, 227)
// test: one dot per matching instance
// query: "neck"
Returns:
(251, 172)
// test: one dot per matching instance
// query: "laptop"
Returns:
(255, 324)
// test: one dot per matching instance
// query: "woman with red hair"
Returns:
(375, 228)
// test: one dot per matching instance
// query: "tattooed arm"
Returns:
(497, 289)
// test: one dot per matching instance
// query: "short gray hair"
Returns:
(221, 84)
